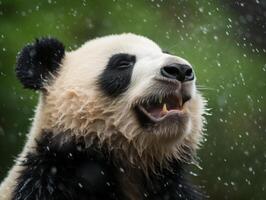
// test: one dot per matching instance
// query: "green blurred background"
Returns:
(224, 40)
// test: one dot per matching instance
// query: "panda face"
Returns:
(126, 84)
(147, 79)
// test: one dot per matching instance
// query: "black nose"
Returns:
(178, 71)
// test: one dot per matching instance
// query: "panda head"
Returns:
(120, 89)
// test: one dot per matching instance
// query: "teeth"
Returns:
(180, 102)
(160, 99)
(164, 108)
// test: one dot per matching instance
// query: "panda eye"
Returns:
(121, 61)
(124, 64)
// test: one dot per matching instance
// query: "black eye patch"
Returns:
(116, 77)
(121, 61)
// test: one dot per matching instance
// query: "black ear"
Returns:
(37, 61)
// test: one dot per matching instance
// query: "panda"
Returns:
(117, 118)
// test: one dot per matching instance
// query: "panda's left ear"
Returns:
(37, 61)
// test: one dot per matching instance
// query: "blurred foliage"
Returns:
(225, 42)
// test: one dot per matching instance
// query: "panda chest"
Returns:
(80, 171)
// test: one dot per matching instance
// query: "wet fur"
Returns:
(37, 61)
(64, 168)
(98, 118)
(74, 109)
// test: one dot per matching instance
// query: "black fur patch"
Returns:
(116, 77)
(36, 61)
(64, 168)
(172, 185)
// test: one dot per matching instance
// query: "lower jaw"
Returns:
(169, 114)
(173, 120)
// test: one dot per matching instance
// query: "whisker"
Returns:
(202, 87)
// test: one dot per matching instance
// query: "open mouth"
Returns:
(160, 108)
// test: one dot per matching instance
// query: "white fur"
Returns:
(74, 103)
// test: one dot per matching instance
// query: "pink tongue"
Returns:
(156, 112)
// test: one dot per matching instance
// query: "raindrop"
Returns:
(201, 9)
(122, 170)
(53, 170)
(242, 78)
(80, 185)
(248, 181)
(193, 174)
(264, 68)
